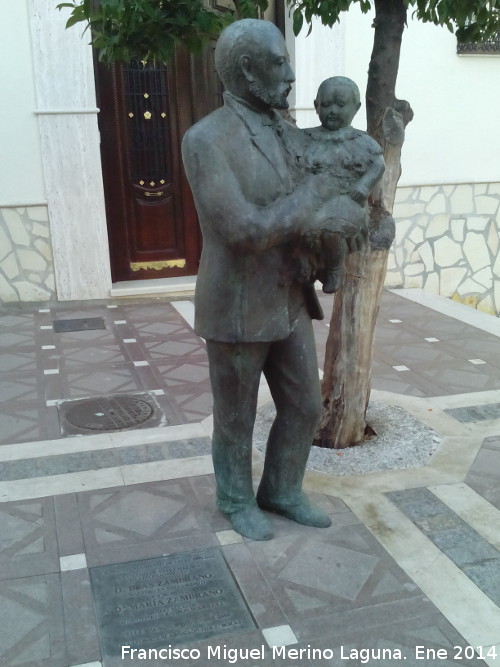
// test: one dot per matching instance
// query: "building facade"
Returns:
(82, 217)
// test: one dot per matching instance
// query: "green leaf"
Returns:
(298, 22)
(74, 19)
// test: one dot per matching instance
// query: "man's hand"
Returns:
(343, 216)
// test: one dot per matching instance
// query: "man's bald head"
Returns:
(246, 51)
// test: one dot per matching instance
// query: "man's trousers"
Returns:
(291, 369)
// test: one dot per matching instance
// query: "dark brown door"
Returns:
(145, 109)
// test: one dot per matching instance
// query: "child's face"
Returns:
(335, 106)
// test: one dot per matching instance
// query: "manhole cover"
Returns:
(110, 414)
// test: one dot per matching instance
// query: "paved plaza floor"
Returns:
(110, 543)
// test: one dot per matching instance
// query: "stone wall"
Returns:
(447, 242)
(26, 265)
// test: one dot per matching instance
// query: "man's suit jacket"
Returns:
(242, 178)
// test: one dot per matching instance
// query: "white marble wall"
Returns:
(447, 242)
(26, 265)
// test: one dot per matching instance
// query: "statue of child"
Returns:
(352, 158)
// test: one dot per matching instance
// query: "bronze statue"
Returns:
(254, 205)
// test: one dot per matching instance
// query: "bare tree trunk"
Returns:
(349, 350)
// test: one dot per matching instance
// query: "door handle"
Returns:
(153, 194)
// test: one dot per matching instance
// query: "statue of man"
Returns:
(249, 304)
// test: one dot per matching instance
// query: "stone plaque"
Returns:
(84, 324)
(169, 600)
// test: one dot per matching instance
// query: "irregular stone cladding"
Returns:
(26, 264)
(447, 242)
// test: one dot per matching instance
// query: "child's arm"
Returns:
(364, 185)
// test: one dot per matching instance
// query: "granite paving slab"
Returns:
(475, 413)
(476, 557)
(60, 464)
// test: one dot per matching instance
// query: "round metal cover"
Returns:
(110, 414)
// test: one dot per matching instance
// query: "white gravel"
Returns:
(402, 441)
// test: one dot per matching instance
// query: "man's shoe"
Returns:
(251, 523)
(302, 512)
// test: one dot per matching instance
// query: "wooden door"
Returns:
(145, 109)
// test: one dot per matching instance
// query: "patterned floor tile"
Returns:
(416, 355)
(31, 622)
(333, 572)
(73, 339)
(97, 381)
(174, 348)
(170, 520)
(92, 354)
(20, 386)
(28, 542)
(461, 377)
(17, 361)
(395, 643)
(486, 347)
(27, 421)
(385, 378)
(393, 334)
(16, 322)
(160, 330)
(187, 384)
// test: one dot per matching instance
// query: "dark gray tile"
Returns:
(486, 576)
(463, 546)
(475, 413)
(59, 464)
(79, 324)
(474, 555)
(419, 504)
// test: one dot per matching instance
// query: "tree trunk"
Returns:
(349, 350)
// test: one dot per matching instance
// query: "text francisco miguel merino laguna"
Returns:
(235, 656)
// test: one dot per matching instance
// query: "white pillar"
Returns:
(66, 109)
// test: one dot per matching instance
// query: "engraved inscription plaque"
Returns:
(169, 600)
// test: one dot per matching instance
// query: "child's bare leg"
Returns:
(334, 252)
